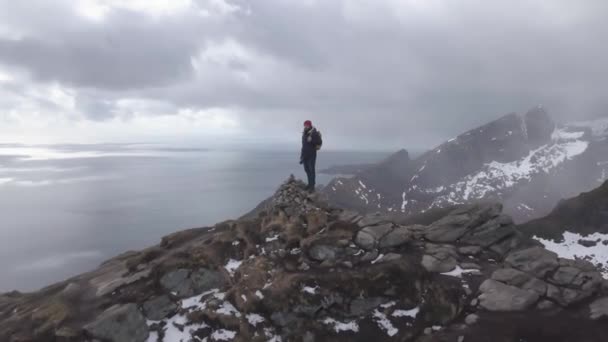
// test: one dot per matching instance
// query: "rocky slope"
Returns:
(577, 227)
(304, 271)
(525, 161)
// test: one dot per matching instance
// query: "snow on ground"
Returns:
(406, 313)
(458, 272)
(272, 238)
(223, 335)
(310, 290)
(570, 248)
(232, 266)
(255, 319)
(342, 326)
(385, 324)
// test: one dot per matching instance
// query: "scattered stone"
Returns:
(470, 266)
(184, 283)
(372, 220)
(471, 319)
(469, 250)
(435, 265)
(599, 308)
(120, 323)
(159, 308)
(323, 253)
(545, 305)
(535, 260)
(349, 216)
(397, 237)
(370, 256)
(496, 296)
(587, 243)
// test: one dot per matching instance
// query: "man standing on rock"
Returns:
(311, 143)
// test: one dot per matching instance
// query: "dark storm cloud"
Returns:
(382, 73)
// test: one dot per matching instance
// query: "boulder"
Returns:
(535, 260)
(469, 250)
(395, 238)
(119, 323)
(599, 308)
(471, 319)
(159, 308)
(372, 220)
(448, 229)
(185, 283)
(323, 252)
(368, 237)
(496, 296)
(436, 265)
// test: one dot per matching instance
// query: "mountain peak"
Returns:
(538, 125)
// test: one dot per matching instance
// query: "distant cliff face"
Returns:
(300, 270)
(525, 161)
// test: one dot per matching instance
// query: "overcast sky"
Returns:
(370, 74)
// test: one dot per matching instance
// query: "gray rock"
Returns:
(469, 250)
(204, 280)
(583, 265)
(433, 264)
(599, 308)
(365, 240)
(395, 238)
(120, 323)
(112, 277)
(71, 291)
(564, 275)
(536, 285)
(535, 260)
(370, 256)
(511, 276)
(348, 216)
(183, 283)
(389, 257)
(496, 296)
(363, 306)
(460, 339)
(470, 266)
(545, 305)
(488, 233)
(471, 319)
(372, 220)
(323, 252)
(159, 308)
(173, 280)
(448, 229)
(283, 319)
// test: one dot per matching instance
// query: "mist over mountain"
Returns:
(526, 161)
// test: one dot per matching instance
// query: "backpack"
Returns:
(318, 147)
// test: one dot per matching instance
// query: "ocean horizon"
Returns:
(68, 207)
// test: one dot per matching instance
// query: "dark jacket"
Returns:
(310, 140)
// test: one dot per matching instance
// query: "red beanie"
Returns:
(307, 123)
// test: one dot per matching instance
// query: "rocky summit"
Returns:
(297, 269)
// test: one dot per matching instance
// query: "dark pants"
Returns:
(309, 167)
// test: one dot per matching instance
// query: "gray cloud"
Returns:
(380, 74)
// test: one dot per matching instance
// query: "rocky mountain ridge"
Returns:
(527, 162)
(301, 270)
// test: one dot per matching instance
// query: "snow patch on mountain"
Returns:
(497, 176)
